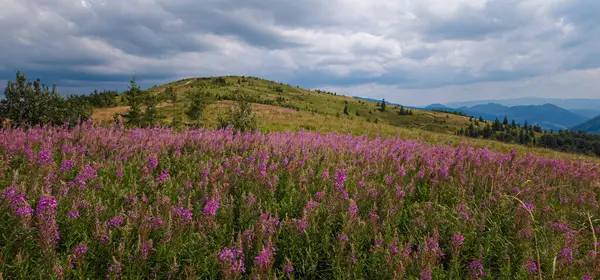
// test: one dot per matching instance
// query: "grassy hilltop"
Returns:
(276, 95)
(281, 107)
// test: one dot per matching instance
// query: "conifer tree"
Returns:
(134, 116)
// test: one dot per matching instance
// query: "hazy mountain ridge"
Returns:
(548, 116)
(569, 104)
(590, 126)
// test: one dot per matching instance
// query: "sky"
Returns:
(413, 52)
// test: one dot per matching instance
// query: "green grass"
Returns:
(322, 112)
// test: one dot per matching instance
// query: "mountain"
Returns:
(548, 116)
(580, 103)
(590, 126)
(588, 113)
(437, 106)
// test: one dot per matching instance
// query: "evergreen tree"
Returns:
(28, 103)
(195, 107)
(134, 116)
(170, 93)
(481, 119)
(383, 105)
(151, 116)
(346, 109)
(505, 121)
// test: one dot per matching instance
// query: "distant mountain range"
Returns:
(574, 114)
(569, 104)
(548, 116)
(590, 126)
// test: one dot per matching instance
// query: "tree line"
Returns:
(29, 103)
(533, 135)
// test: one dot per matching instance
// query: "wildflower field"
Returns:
(93, 202)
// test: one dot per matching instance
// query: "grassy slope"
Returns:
(323, 112)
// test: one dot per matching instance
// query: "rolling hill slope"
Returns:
(265, 92)
(282, 107)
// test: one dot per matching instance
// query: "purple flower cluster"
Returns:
(45, 212)
(565, 255)
(457, 240)
(211, 207)
(163, 177)
(146, 249)
(268, 223)
(17, 202)
(264, 260)
(116, 222)
(183, 215)
(232, 258)
(530, 266)
(476, 269)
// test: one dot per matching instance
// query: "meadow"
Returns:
(97, 202)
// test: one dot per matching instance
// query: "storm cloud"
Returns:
(411, 51)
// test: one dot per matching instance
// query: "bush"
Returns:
(240, 117)
(195, 107)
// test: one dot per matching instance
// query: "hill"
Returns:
(437, 106)
(282, 107)
(590, 126)
(275, 96)
(548, 116)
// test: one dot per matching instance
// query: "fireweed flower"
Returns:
(264, 260)
(73, 214)
(17, 202)
(399, 192)
(45, 212)
(426, 274)
(288, 268)
(457, 240)
(325, 174)
(530, 266)
(319, 195)
(343, 237)
(268, 224)
(250, 199)
(565, 255)
(66, 165)
(340, 178)
(146, 249)
(210, 209)
(476, 269)
(163, 177)
(353, 208)
(183, 215)
(302, 224)
(152, 162)
(116, 222)
(232, 260)
(311, 204)
(81, 249)
(394, 248)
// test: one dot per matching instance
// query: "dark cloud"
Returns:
(413, 45)
(469, 23)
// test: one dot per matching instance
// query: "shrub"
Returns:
(240, 117)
